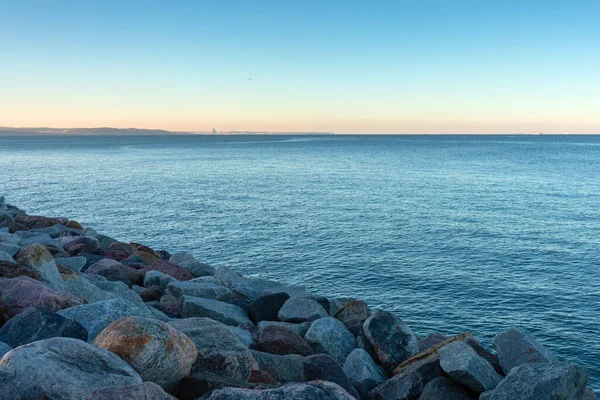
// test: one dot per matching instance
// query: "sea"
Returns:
(452, 233)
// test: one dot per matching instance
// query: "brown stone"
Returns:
(10, 270)
(74, 225)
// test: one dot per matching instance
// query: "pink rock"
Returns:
(114, 271)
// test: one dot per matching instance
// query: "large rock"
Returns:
(140, 391)
(330, 336)
(535, 381)
(73, 263)
(280, 340)
(516, 347)
(391, 339)
(95, 317)
(227, 313)
(86, 290)
(442, 388)
(300, 329)
(119, 289)
(363, 372)
(11, 270)
(265, 308)
(187, 261)
(39, 258)
(21, 293)
(246, 290)
(219, 350)
(37, 324)
(316, 390)
(38, 221)
(399, 387)
(464, 365)
(324, 367)
(80, 244)
(61, 368)
(431, 340)
(301, 309)
(4, 348)
(170, 269)
(10, 248)
(157, 278)
(114, 271)
(350, 311)
(283, 368)
(157, 351)
(171, 305)
(6, 257)
(204, 290)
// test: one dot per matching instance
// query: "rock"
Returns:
(283, 368)
(363, 372)
(36, 324)
(587, 395)
(171, 305)
(516, 347)
(157, 351)
(330, 336)
(246, 290)
(265, 308)
(244, 334)
(80, 244)
(535, 381)
(280, 340)
(37, 221)
(38, 258)
(391, 339)
(74, 225)
(73, 263)
(4, 348)
(86, 290)
(486, 395)
(39, 239)
(426, 365)
(10, 248)
(199, 289)
(114, 271)
(147, 258)
(227, 313)
(442, 388)
(157, 278)
(6, 257)
(188, 261)
(95, 317)
(431, 340)
(399, 387)
(258, 376)
(219, 350)
(91, 259)
(202, 385)
(317, 390)
(159, 315)
(151, 293)
(300, 329)
(462, 363)
(170, 269)
(10, 270)
(119, 289)
(324, 367)
(21, 293)
(271, 287)
(61, 368)
(140, 391)
(301, 309)
(350, 311)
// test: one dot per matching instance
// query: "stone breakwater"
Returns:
(85, 316)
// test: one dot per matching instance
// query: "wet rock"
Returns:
(157, 351)
(391, 339)
(350, 311)
(462, 363)
(11, 270)
(157, 278)
(140, 391)
(219, 350)
(329, 335)
(171, 269)
(534, 381)
(61, 368)
(400, 387)
(80, 244)
(363, 372)
(204, 290)
(442, 388)
(4, 348)
(73, 263)
(324, 367)
(516, 347)
(431, 340)
(38, 258)
(280, 340)
(301, 309)
(317, 390)
(37, 324)
(265, 308)
(187, 261)
(300, 329)
(227, 313)
(283, 368)
(114, 271)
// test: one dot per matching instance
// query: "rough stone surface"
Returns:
(280, 340)
(86, 290)
(219, 350)
(589, 395)
(391, 339)
(140, 391)
(73, 263)
(4, 348)
(151, 293)
(204, 290)
(245, 333)
(350, 311)
(301, 309)
(170, 269)
(157, 278)
(37, 324)
(329, 335)
(11, 270)
(119, 289)
(114, 271)
(516, 347)
(246, 290)
(187, 261)
(227, 313)
(157, 351)
(430, 340)
(81, 244)
(4, 256)
(171, 305)
(283, 368)
(462, 363)
(317, 390)
(265, 308)
(61, 368)
(363, 372)
(39, 258)
(442, 388)
(324, 367)
(300, 329)
(9, 248)
(400, 387)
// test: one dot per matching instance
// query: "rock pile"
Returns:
(85, 316)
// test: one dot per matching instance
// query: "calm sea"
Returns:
(453, 233)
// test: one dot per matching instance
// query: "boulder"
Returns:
(301, 309)
(36, 324)
(363, 372)
(204, 290)
(325, 368)
(245, 333)
(139, 391)
(114, 271)
(61, 368)
(442, 388)
(227, 313)
(187, 261)
(350, 311)
(280, 340)
(246, 290)
(300, 329)
(39, 258)
(399, 387)
(4, 348)
(317, 390)
(258, 376)
(73, 263)
(80, 244)
(95, 317)
(391, 339)
(151, 293)
(171, 305)
(11, 270)
(219, 350)
(119, 289)
(86, 290)
(147, 258)
(74, 225)
(431, 340)
(6, 257)
(329, 335)
(426, 365)
(534, 381)
(266, 308)
(516, 347)
(283, 368)
(43, 239)
(10, 248)
(38, 221)
(171, 269)
(157, 351)
(464, 365)
(157, 278)
(587, 395)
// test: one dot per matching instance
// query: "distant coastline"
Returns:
(137, 132)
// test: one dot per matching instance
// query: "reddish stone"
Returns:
(74, 225)
(114, 271)
(281, 340)
(10, 270)
(171, 269)
(38, 221)
(126, 247)
(259, 376)
(171, 305)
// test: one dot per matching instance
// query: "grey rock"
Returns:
(37, 257)
(157, 278)
(114, 271)
(301, 309)
(538, 381)
(246, 290)
(265, 308)
(40, 239)
(280, 340)
(464, 365)
(199, 289)
(486, 395)
(9, 248)
(283, 368)
(159, 315)
(363, 372)
(227, 313)
(300, 329)
(86, 290)
(140, 391)
(350, 311)
(188, 261)
(119, 289)
(324, 367)
(329, 335)
(516, 347)
(589, 395)
(73, 263)
(442, 388)
(244, 335)
(427, 366)
(4, 256)
(431, 340)
(4, 348)
(400, 387)
(317, 390)
(61, 368)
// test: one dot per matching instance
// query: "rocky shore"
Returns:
(85, 316)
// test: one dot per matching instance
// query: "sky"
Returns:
(328, 66)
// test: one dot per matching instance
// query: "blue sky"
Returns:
(357, 67)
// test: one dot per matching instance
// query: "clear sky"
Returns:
(343, 66)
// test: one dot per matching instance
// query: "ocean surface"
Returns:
(452, 233)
